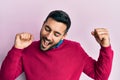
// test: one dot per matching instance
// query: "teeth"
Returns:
(46, 43)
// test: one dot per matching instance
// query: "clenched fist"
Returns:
(23, 40)
(102, 36)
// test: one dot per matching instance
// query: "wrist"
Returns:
(18, 47)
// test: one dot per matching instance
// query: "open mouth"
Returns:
(46, 43)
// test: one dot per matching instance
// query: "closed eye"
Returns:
(47, 28)
(57, 34)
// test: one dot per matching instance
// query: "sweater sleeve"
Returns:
(12, 65)
(100, 69)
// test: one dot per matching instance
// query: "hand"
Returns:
(23, 40)
(102, 36)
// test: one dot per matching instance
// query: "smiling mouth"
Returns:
(46, 43)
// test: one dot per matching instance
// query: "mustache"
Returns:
(46, 39)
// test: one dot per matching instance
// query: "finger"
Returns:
(101, 30)
(31, 37)
(26, 36)
(96, 35)
(102, 35)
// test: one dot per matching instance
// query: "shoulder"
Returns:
(35, 44)
(76, 48)
(72, 43)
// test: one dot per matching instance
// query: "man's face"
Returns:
(51, 33)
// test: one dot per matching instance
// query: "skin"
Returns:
(23, 40)
(52, 32)
(102, 36)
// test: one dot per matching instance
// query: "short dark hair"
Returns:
(60, 16)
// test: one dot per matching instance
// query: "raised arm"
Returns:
(100, 69)
(12, 65)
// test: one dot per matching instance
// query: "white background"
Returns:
(28, 15)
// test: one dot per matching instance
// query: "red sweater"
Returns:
(66, 62)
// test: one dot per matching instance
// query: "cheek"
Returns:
(43, 33)
(57, 39)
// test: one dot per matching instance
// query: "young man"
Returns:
(55, 58)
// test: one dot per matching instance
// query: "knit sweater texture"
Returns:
(65, 62)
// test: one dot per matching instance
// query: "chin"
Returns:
(47, 48)
(44, 49)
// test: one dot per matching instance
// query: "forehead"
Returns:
(55, 25)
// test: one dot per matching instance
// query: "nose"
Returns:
(49, 36)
